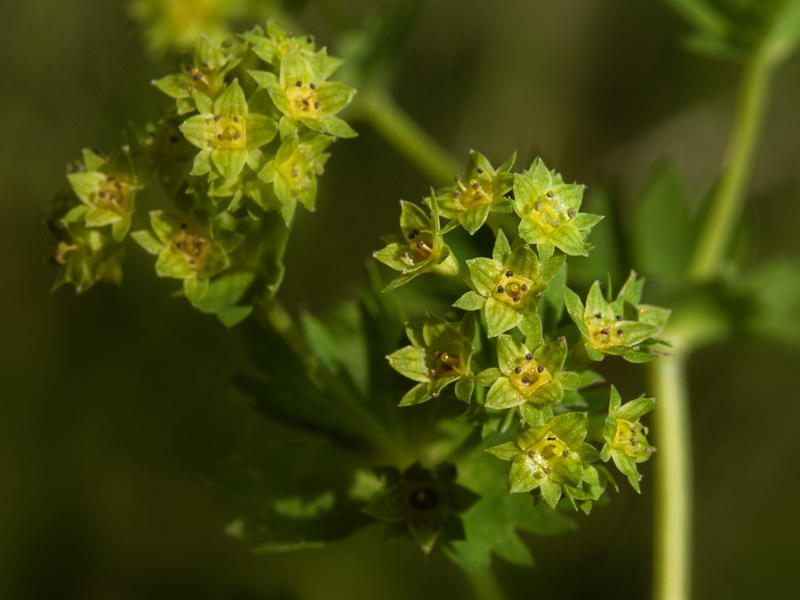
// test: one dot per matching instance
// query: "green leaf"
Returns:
(470, 301)
(300, 507)
(493, 523)
(147, 241)
(662, 233)
(195, 289)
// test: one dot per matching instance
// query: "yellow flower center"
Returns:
(472, 194)
(604, 333)
(546, 454)
(630, 439)
(229, 132)
(445, 364)
(113, 195)
(550, 212)
(303, 100)
(192, 247)
(420, 247)
(529, 376)
(513, 289)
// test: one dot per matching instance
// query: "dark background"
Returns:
(115, 405)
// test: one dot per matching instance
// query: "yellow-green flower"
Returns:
(227, 133)
(553, 460)
(188, 248)
(623, 327)
(106, 189)
(549, 208)
(626, 437)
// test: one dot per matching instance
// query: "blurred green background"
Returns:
(115, 406)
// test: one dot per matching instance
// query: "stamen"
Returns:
(529, 356)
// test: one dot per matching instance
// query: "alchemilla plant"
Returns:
(480, 416)
(250, 125)
(244, 142)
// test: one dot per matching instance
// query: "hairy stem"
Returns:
(726, 205)
(407, 137)
(673, 477)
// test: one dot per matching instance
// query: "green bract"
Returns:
(419, 249)
(439, 355)
(303, 96)
(553, 459)
(278, 42)
(626, 441)
(509, 286)
(481, 189)
(205, 74)
(106, 189)
(86, 255)
(188, 248)
(227, 134)
(549, 208)
(622, 327)
(293, 172)
(535, 377)
(423, 503)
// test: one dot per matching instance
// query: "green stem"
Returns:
(407, 137)
(380, 438)
(668, 378)
(485, 585)
(673, 505)
(726, 205)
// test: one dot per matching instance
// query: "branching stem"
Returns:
(407, 137)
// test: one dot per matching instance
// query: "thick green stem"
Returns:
(407, 137)
(673, 506)
(726, 205)
(380, 438)
(673, 550)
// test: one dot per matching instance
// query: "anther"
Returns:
(619, 317)
(310, 39)
(305, 101)
(299, 84)
(317, 104)
(457, 178)
(565, 453)
(313, 86)
(416, 232)
(571, 213)
(517, 298)
(192, 262)
(540, 368)
(236, 134)
(525, 380)
(220, 137)
(537, 205)
(475, 185)
(110, 178)
(604, 331)
(206, 64)
(456, 194)
(509, 273)
(620, 331)
(517, 370)
(217, 117)
(500, 289)
(235, 119)
(551, 438)
(479, 170)
(529, 356)
(598, 315)
(102, 194)
(437, 354)
(198, 76)
(524, 287)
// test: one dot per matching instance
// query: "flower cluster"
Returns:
(244, 142)
(534, 368)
